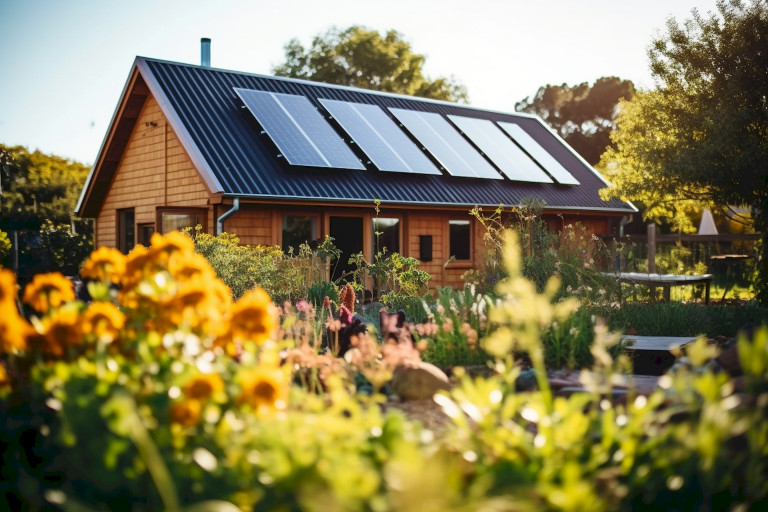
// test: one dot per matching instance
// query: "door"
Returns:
(347, 233)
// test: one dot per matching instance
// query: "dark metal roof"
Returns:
(226, 144)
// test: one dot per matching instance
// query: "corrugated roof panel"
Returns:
(244, 160)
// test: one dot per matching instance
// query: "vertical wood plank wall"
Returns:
(154, 171)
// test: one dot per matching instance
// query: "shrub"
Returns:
(243, 267)
(573, 256)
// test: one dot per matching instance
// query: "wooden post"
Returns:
(652, 256)
(651, 248)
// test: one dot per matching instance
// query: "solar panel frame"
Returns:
(446, 144)
(538, 153)
(303, 136)
(499, 148)
(377, 135)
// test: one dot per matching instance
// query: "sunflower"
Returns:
(264, 388)
(163, 246)
(48, 291)
(105, 263)
(102, 319)
(61, 330)
(185, 267)
(8, 288)
(14, 330)
(138, 264)
(202, 386)
(186, 413)
(253, 317)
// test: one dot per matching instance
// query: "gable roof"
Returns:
(237, 159)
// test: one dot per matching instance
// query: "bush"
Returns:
(573, 256)
(244, 267)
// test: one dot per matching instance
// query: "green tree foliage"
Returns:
(5, 245)
(364, 58)
(581, 114)
(702, 136)
(37, 187)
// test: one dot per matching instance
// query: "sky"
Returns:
(64, 63)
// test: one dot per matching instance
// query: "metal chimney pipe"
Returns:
(205, 52)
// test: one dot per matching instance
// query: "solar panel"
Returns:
(298, 130)
(507, 156)
(446, 144)
(379, 137)
(538, 153)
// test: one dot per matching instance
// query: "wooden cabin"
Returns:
(280, 161)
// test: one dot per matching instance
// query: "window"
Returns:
(126, 230)
(144, 233)
(459, 239)
(386, 235)
(297, 230)
(176, 219)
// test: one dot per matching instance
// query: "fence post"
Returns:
(651, 248)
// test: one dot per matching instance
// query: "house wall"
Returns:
(154, 171)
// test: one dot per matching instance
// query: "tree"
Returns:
(36, 187)
(703, 134)
(582, 115)
(364, 58)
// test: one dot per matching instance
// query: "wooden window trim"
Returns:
(277, 224)
(460, 264)
(400, 232)
(180, 210)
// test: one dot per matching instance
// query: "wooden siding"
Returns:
(252, 225)
(154, 171)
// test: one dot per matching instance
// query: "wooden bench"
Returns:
(666, 281)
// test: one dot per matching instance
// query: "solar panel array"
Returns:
(539, 154)
(306, 138)
(507, 156)
(446, 144)
(379, 137)
(303, 136)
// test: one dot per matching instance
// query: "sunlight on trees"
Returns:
(359, 57)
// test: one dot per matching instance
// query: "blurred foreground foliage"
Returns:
(165, 393)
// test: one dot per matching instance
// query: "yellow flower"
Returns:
(105, 263)
(202, 386)
(138, 264)
(163, 246)
(200, 304)
(102, 319)
(185, 267)
(14, 330)
(48, 291)
(186, 413)
(264, 388)
(8, 288)
(61, 330)
(253, 317)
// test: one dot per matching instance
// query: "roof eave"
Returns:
(185, 138)
(108, 136)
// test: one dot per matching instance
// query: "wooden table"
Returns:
(666, 281)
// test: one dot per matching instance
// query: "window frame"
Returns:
(123, 244)
(279, 225)
(180, 210)
(461, 263)
(400, 226)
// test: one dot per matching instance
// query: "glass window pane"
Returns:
(179, 221)
(297, 230)
(386, 235)
(459, 239)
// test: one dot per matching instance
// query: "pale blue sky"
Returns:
(63, 63)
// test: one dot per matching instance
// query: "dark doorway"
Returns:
(347, 233)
